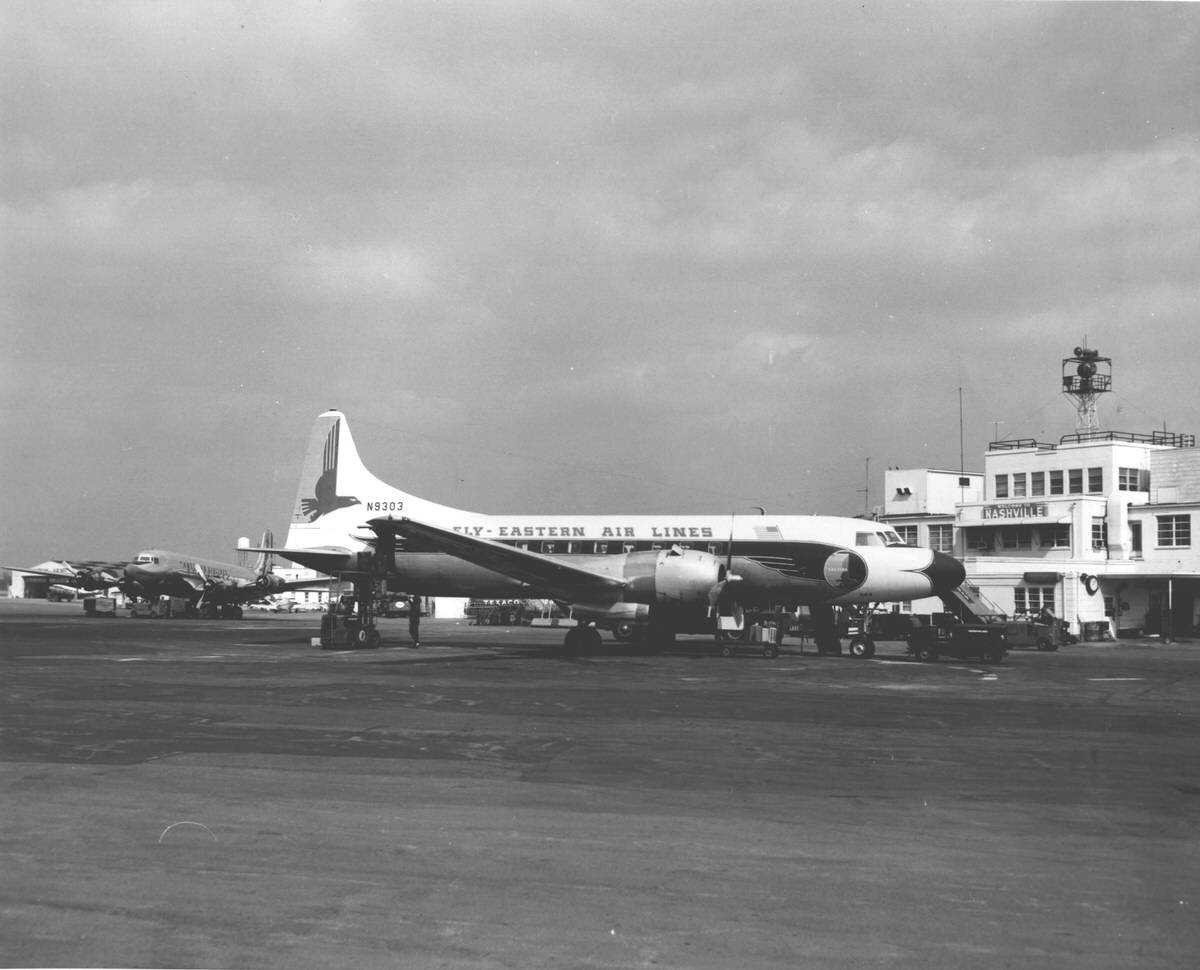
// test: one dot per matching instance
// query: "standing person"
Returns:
(414, 620)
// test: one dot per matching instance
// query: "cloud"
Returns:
(365, 271)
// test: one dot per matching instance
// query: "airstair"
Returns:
(970, 605)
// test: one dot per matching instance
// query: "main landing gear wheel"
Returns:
(862, 647)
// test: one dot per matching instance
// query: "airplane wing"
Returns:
(92, 570)
(560, 580)
(61, 574)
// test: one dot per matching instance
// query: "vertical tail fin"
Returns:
(332, 472)
(265, 560)
(337, 494)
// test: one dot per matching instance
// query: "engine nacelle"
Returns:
(270, 583)
(675, 575)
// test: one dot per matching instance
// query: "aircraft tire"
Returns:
(624, 631)
(859, 647)
(590, 639)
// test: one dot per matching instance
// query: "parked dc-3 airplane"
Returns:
(215, 589)
(664, 574)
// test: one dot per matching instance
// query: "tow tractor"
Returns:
(349, 623)
(947, 636)
(1045, 636)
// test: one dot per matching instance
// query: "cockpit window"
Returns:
(888, 537)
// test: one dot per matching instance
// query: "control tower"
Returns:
(1085, 377)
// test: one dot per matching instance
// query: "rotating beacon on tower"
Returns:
(1085, 377)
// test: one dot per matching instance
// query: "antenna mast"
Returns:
(1085, 377)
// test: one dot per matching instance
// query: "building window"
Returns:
(1018, 483)
(1016, 537)
(1056, 483)
(1058, 536)
(1135, 538)
(981, 540)
(1075, 481)
(908, 534)
(1001, 486)
(1037, 483)
(1099, 533)
(1033, 599)
(1095, 481)
(1130, 480)
(1174, 531)
(941, 538)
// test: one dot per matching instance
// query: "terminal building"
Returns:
(1096, 527)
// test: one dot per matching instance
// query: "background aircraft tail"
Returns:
(265, 560)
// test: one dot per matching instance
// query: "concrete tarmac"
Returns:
(189, 793)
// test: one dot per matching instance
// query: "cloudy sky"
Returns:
(581, 256)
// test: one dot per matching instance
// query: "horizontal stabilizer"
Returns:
(324, 559)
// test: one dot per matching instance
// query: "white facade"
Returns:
(1098, 528)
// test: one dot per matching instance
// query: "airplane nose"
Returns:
(945, 573)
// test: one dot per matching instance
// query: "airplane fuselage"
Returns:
(643, 567)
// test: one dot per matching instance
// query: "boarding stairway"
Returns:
(969, 604)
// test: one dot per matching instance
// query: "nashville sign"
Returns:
(1018, 510)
